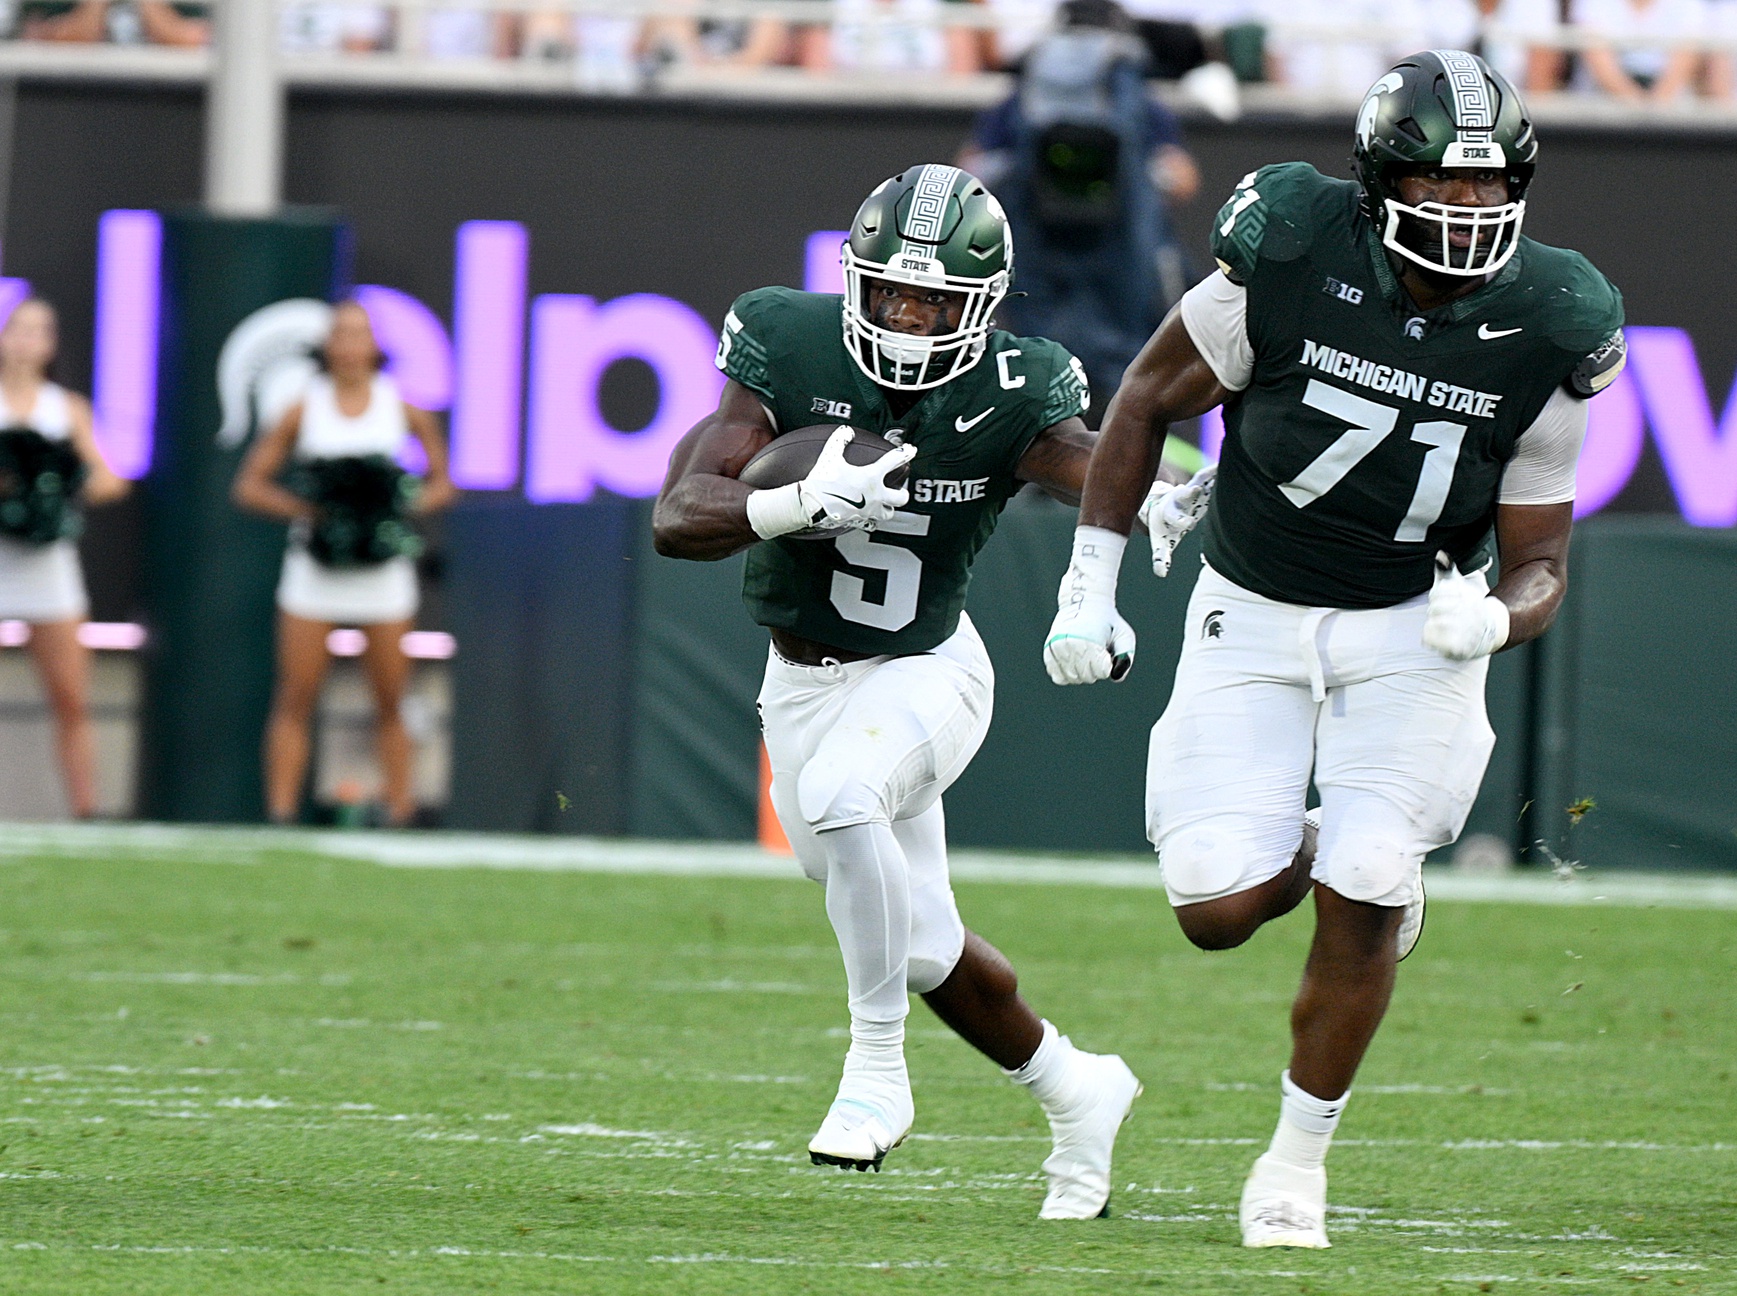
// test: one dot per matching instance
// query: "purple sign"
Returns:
(124, 366)
(573, 340)
(488, 312)
(479, 371)
(1700, 458)
(822, 269)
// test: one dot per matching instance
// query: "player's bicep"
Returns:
(721, 443)
(1169, 380)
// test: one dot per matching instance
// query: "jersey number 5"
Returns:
(898, 606)
(1371, 424)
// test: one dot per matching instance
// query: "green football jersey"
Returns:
(901, 587)
(1371, 434)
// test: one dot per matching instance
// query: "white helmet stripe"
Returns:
(1473, 110)
(928, 215)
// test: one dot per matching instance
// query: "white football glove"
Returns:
(1088, 640)
(1465, 621)
(836, 494)
(1171, 512)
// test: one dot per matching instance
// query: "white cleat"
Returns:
(1101, 1092)
(1411, 925)
(857, 1135)
(1284, 1206)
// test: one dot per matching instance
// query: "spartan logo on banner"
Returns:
(266, 363)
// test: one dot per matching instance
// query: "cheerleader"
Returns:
(40, 579)
(336, 571)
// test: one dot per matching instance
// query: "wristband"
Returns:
(778, 511)
(1097, 559)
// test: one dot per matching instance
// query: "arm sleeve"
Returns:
(1546, 454)
(1215, 313)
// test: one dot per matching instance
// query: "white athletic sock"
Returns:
(1046, 1073)
(868, 899)
(877, 1052)
(1306, 1125)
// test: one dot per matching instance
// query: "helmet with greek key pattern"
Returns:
(933, 227)
(1445, 109)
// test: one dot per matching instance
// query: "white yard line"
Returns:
(452, 850)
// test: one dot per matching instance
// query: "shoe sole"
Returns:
(852, 1163)
(1292, 1241)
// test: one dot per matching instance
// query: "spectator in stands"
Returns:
(605, 52)
(185, 25)
(1524, 53)
(707, 42)
(73, 21)
(49, 435)
(1083, 159)
(1020, 24)
(1361, 40)
(1656, 73)
(331, 28)
(890, 36)
(1722, 66)
(351, 416)
(468, 33)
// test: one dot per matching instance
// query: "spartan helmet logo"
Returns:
(1372, 105)
(1213, 626)
(266, 363)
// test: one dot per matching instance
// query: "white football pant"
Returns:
(860, 754)
(1266, 692)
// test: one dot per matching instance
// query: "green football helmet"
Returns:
(931, 227)
(1445, 108)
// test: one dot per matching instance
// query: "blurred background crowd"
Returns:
(1666, 51)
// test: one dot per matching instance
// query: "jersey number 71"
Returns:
(1371, 423)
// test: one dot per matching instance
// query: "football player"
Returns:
(878, 690)
(1403, 376)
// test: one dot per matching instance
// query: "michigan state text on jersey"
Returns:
(1404, 375)
(878, 691)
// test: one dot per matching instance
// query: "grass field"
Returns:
(289, 1073)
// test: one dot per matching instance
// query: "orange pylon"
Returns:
(772, 836)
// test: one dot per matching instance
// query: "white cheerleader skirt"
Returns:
(40, 583)
(355, 596)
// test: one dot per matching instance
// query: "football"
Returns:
(790, 457)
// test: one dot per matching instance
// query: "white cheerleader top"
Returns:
(51, 415)
(326, 432)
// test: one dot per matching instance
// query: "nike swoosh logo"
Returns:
(1490, 335)
(965, 425)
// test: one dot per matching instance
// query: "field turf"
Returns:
(301, 1074)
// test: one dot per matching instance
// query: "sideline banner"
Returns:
(247, 297)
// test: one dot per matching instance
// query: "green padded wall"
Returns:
(694, 753)
(209, 569)
(1639, 699)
